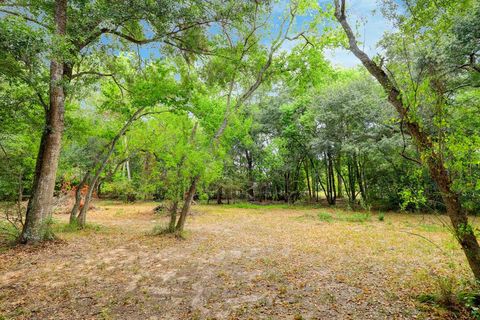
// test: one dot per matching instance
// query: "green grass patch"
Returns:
(325, 216)
(346, 217)
(354, 217)
(248, 205)
(381, 217)
(162, 229)
(432, 228)
(63, 227)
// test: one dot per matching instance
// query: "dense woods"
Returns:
(195, 102)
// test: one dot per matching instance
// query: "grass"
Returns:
(163, 228)
(325, 216)
(432, 227)
(453, 295)
(354, 217)
(381, 216)
(234, 255)
(59, 227)
(343, 216)
(268, 206)
(8, 235)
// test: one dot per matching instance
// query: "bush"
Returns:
(9, 234)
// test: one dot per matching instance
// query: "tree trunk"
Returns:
(308, 181)
(463, 230)
(251, 182)
(78, 198)
(359, 176)
(173, 216)
(219, 195)
(81, 219)
(339, 177)
(187, 203)
(40, 204)
(82, 216)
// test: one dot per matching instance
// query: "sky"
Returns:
(372, 26)
(371, 31)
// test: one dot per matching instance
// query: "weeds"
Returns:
(162, 229)
(453, 296)
(11, 223)
(381, 216)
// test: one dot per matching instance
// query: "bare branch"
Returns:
(91, 72)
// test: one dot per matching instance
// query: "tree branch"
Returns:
(13, 13)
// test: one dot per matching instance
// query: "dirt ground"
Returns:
(234, 263)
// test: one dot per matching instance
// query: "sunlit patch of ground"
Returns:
(235, 263)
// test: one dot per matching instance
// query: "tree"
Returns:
(247, 67)
(431, 156)
(69, 28)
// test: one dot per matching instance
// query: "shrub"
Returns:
(8, 233)
(381, 216)
(11, 223)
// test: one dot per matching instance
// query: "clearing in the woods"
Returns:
(235, 262)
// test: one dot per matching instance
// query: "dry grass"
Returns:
(235, 263)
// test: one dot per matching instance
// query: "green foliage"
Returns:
(411, 199)
(9, 234)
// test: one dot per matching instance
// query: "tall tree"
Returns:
(40, 202)
(431, 156)
(249, 65)
(69, 28)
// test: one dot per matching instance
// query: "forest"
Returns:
(239, 159)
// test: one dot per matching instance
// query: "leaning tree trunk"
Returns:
(78, 198)
(81, 218)
(40, 204)
(463, 230)
(186, 204)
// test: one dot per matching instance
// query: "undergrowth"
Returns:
(452, 295)
(62, 227)
(162, 229)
